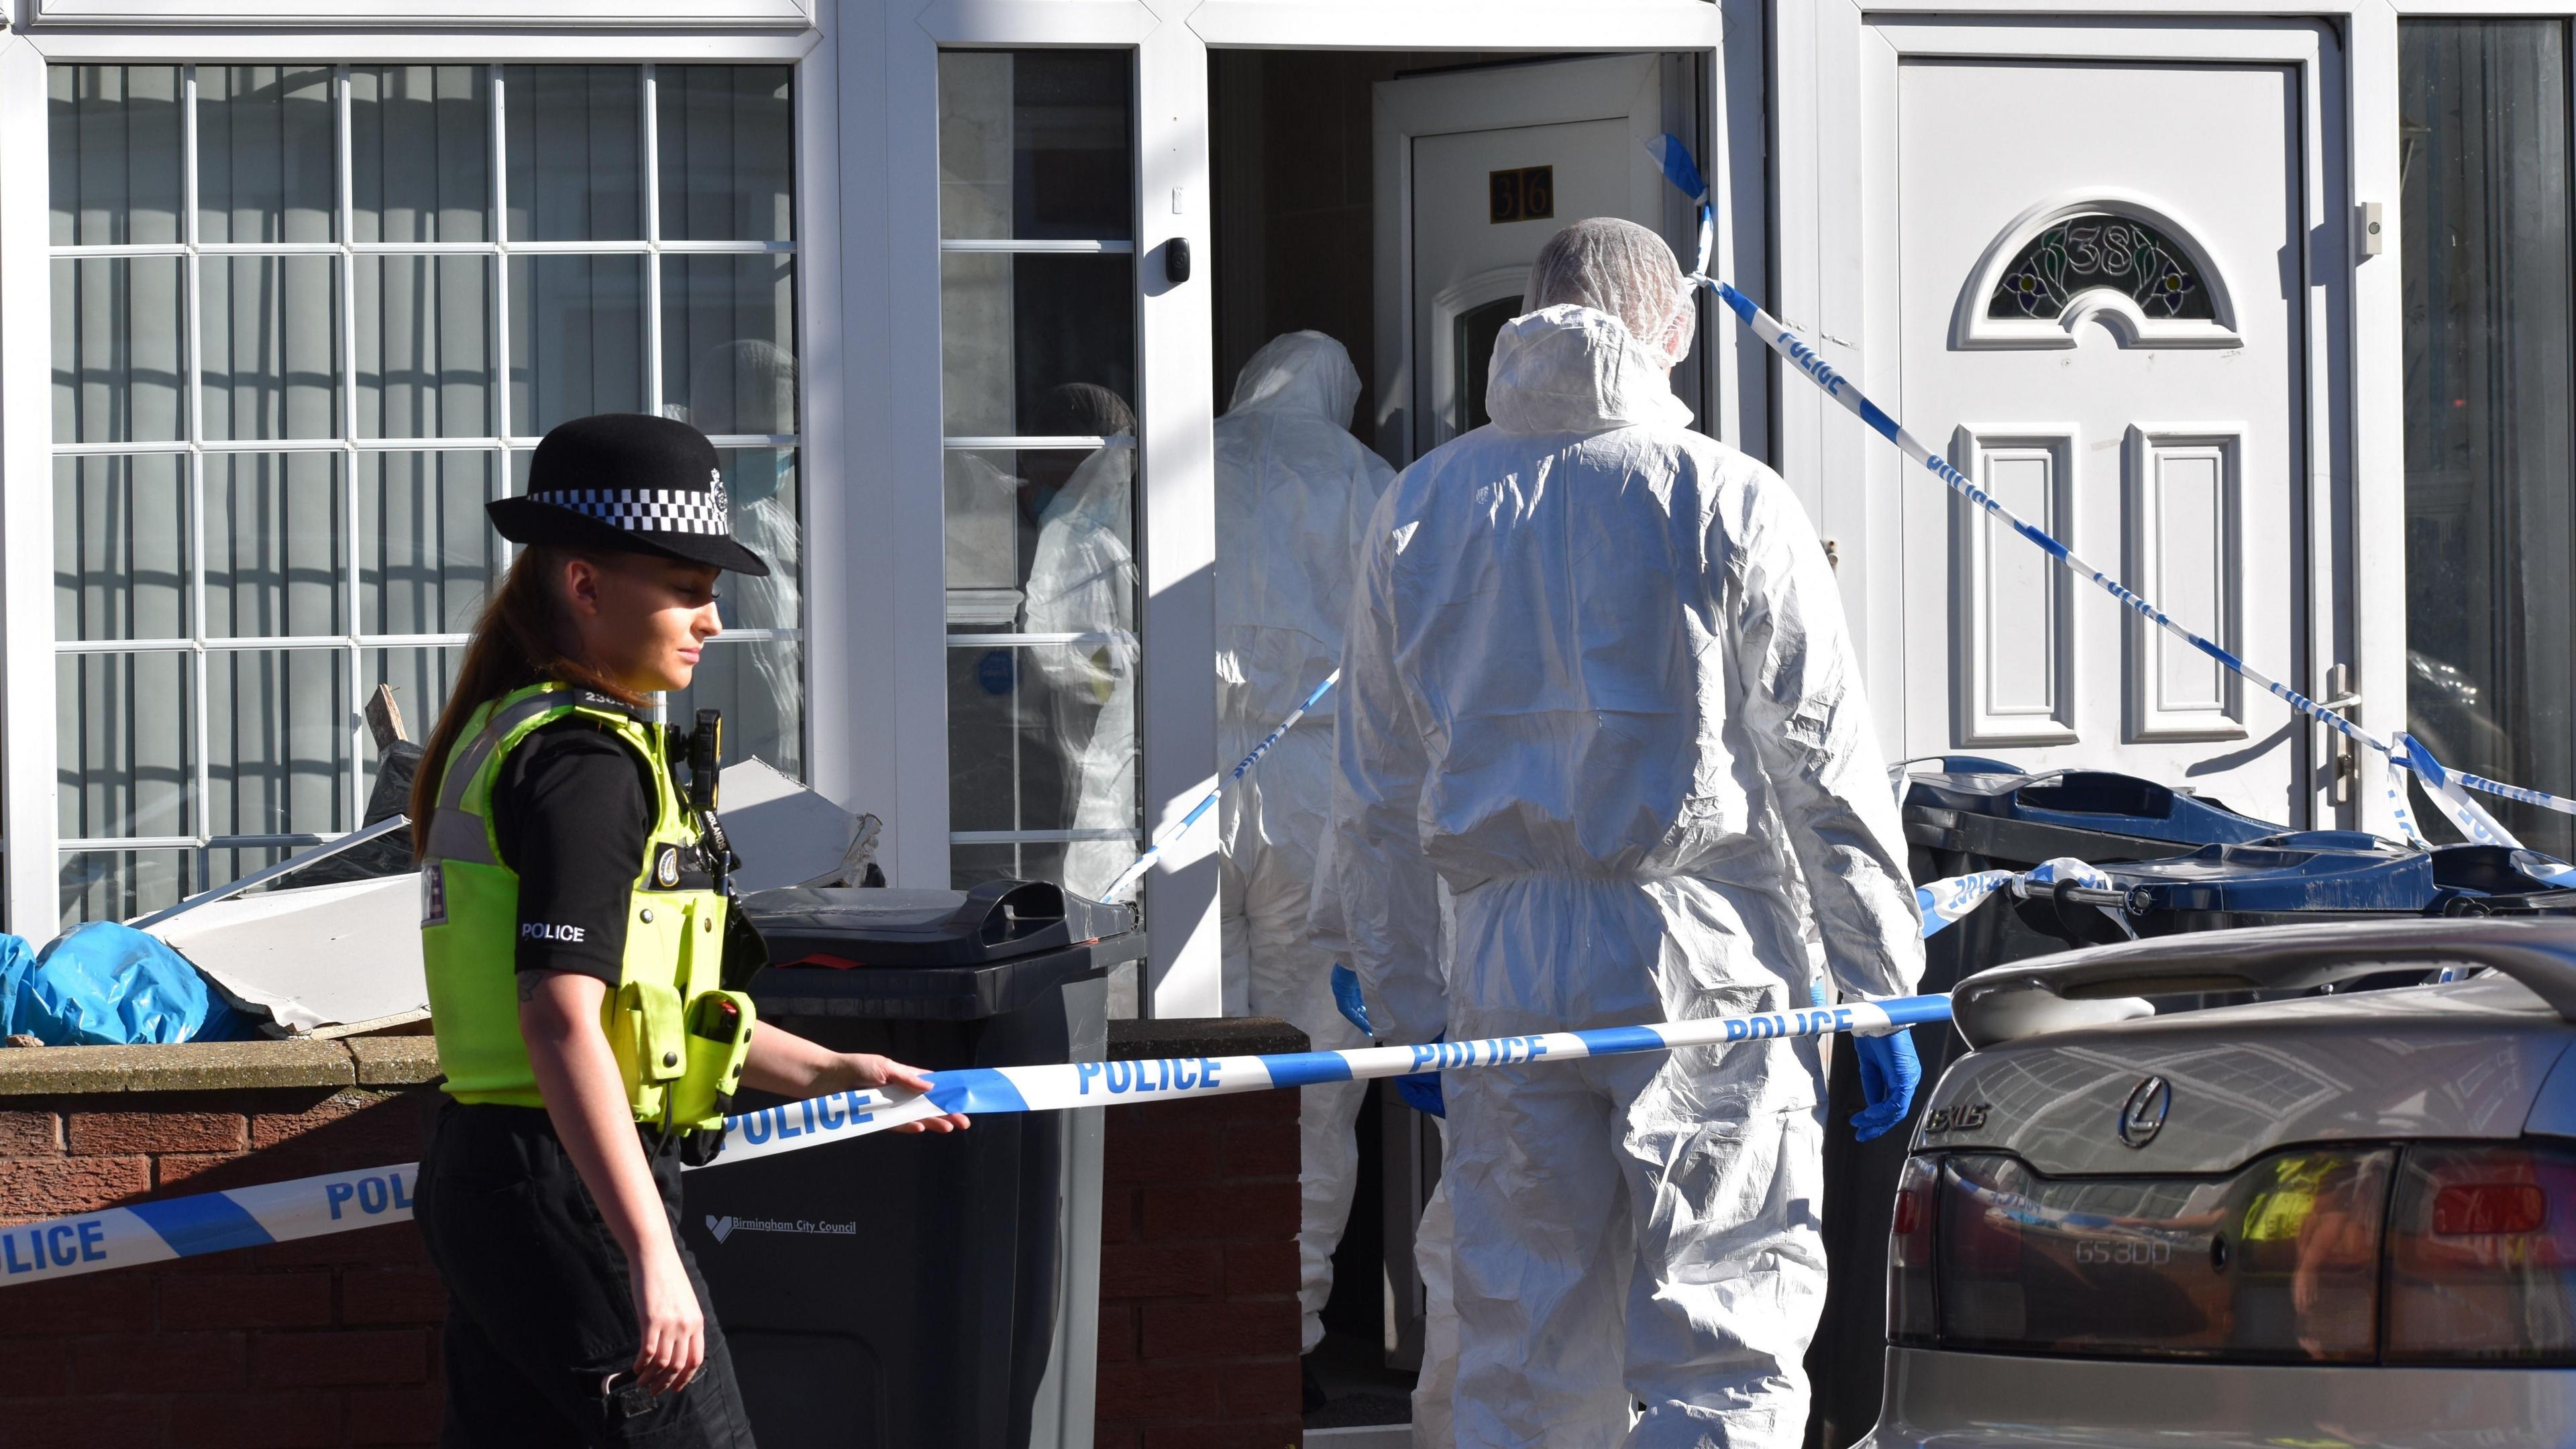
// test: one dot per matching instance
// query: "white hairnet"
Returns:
(1621, 268)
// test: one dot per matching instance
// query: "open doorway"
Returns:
(1393, 202)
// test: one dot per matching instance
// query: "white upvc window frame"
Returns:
(888, 680)
(28, 650)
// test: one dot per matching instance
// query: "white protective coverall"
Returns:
(1294, 491)
(1598, 683)
(749, 386)
(1083, 580)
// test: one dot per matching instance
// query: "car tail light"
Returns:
(2482, 1256)
(1909, 1255)
(2276, 1262)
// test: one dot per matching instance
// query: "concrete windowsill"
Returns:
(217, 1066)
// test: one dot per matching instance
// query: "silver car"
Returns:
(2333, 1219)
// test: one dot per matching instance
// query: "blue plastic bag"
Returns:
(109, 985)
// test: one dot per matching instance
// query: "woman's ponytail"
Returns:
(523, 638)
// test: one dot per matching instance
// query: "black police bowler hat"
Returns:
(628, 482)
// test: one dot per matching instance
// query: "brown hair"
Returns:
(523, 638)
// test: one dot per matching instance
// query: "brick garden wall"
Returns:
(1198, 1256)
(334, 1340)
(328, 1341)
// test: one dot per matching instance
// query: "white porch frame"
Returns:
(1833, 220)
(28, 789)
(888, 679)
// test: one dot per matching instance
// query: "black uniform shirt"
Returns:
(571, 810)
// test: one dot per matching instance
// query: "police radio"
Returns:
(706, 763)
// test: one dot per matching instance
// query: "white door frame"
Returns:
(891, 680)
(1838, 240)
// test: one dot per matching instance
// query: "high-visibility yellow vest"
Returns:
(679, 1038)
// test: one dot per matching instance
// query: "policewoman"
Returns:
(573, 936)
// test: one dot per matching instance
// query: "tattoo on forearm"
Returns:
(528, 986)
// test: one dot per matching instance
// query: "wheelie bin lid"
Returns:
(2497, 873)
(1991, 808)
(2310, 870)
(849, 926)
(935, 955)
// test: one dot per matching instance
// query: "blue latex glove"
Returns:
(1889, 1073)
(1346, 995)
(1421, 1092)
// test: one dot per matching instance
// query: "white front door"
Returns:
(2104, 308)
(1476, 170)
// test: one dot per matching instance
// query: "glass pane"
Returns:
(114, 134)
(222, 865)
(729, 343)
(971, 865)
(576, 339)
(1037, 344)
(269, 340)
(421, 679)
(996, 505)
(2490, 400)
(276, 544)
(1474, 349)
(576, 141)
(420, 153)
(266, 169)
(427, 555)
(118, 885)
(278, 736)
(727, 148)
(125, 745)
(1043, 738)
(2095, 251)
(119, 346)
(424, 347)
(1036, 144)
(762, 484)
(121, 547)
(760, 686)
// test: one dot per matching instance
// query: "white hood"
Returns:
(1304, 372)
(1569, 369)
(1294, 491)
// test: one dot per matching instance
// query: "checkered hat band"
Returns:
(647, 510)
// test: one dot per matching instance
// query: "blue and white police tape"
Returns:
(208, 1222)
(2473, 820)
(277, 1212)
(1103, 1084)
(1136, 869)
(1945, 901)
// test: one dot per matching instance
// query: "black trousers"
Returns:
(539, 1308)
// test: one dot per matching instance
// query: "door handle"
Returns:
(2347, 756)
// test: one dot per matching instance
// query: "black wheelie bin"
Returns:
(895, 1291)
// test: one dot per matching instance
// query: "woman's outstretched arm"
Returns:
(789, 1065)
